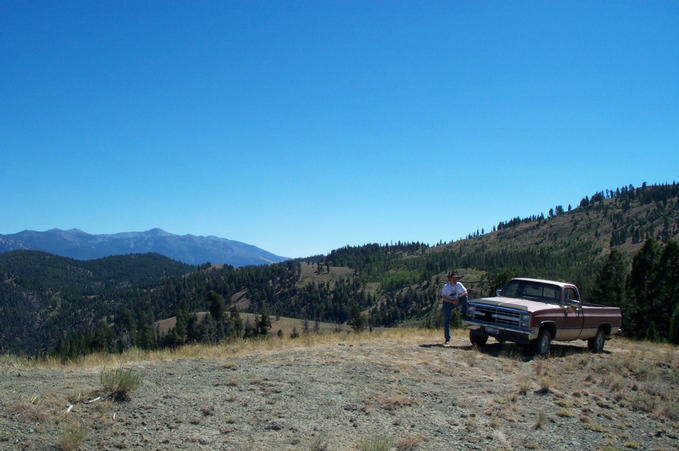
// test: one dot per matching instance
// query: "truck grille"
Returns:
(497, 315)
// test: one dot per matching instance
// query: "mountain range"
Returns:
(190, 249)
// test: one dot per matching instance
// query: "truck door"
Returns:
(573, 318)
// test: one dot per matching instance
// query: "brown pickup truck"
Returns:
(534, 312)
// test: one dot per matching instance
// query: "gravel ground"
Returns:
(401, 392)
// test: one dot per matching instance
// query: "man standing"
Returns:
(453, 295)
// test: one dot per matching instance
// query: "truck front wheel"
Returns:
(542, 344)
(478, 339)
(596, 343)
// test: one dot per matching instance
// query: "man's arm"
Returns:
(451, 298)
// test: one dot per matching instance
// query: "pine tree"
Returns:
(217, 306)
(356, 320)
(666, 288)
(235, 322)
(264, 322)
(638, 308)
(610, 281)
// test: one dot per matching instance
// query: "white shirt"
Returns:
(451, 292)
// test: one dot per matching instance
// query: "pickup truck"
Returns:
(534, 312)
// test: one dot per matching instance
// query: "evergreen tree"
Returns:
(652, 332)
(264, 322)
(666, 287)
(182, 325)
(356, 320)
(217, 306)
(642, 289)
(500, 281)
(609, 283)
(235, 322)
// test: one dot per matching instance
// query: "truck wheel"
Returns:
(542, 344)
(477, 339)
(596, 344)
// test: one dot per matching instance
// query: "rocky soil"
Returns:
(393, 390)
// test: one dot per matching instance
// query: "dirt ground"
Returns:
(389, 390)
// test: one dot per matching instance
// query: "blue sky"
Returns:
(302, 127)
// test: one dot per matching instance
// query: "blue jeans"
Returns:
(447, 310)
(463, 305)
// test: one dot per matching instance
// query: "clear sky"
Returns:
(304, 126)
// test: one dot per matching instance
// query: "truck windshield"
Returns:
(534, 291)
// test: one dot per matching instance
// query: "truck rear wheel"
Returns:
(542, 344)
(596, 343)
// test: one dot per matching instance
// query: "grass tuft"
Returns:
(72, 437)
(540, 420)
(410, 442)
(120, 382)
(379, 443)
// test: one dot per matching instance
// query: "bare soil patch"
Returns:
(394, 388)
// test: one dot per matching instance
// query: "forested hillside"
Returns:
(48, 303)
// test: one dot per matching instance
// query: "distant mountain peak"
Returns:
(191, 249)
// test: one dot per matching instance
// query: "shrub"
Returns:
(72, 437)
(120, 382)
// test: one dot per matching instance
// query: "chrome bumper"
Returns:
(530, 334)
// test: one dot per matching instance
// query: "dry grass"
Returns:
(379, 443)
(609, 396)
(73, 436)
(29, 409)
(226, 351)
(540, 420)
(410, 442)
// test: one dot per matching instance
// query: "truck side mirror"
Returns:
(498, 292)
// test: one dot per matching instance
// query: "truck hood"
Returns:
(514, 303)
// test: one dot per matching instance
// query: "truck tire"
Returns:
(542, 344)
(478, 339)
(596, 343)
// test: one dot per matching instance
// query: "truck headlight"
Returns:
(525, 320)
(470, 312)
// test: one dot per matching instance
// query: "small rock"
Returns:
(275, 426)
(350, 406)
(204, 441)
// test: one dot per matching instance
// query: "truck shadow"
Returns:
(512, 350)
(558, 350)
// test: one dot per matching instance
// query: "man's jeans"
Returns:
(448, 310)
